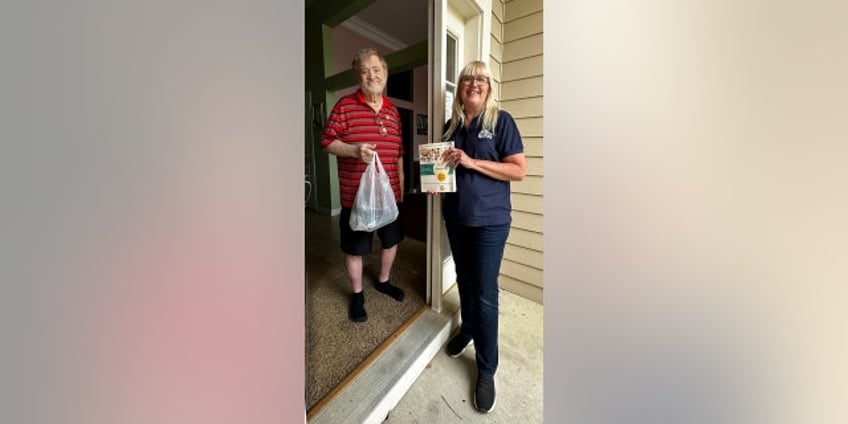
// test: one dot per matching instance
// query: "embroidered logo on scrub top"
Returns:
(485, 134)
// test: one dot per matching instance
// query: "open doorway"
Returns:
(454, 32)
(336, 347)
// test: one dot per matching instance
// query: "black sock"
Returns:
(393, 291)
(357, 308)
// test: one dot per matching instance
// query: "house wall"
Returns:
(516, 59)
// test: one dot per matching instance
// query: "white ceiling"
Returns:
(404, 21)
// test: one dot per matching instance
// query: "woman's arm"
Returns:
(512, 168)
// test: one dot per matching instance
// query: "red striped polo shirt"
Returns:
(353, 121)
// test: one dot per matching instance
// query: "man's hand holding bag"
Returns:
(374, 206)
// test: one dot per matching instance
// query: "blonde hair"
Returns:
(490, 109)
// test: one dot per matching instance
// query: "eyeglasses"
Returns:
(375, 70)
(379, 122)
(480, 80)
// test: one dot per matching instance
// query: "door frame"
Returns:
(475, 44)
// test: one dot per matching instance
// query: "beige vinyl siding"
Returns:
(496, 72)
(522, 27)
(527, 202)
(520, 9)
(522, 68)
(517, 51)
(521, 288)
(527, 221)
(523, 88)
(529, 257)
(531, 184)
(528, 239)
(498, 10)
(530, 127)
(497, 36)
(533, 146)
(535, 167)
(496, 52)
(524, 108)
(496, 47)
(523, 48)
(521, 272)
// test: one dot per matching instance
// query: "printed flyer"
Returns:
(436, 175)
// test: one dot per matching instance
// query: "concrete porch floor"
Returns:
(444, 392)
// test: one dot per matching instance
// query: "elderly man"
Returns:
(361, 124)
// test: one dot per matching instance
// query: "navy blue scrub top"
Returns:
(479, 199)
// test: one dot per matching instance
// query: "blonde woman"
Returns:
(488, 154)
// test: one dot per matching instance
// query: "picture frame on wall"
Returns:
(421, 124)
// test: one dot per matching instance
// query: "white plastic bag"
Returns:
(374, 206)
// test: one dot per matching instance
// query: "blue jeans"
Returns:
(477, 253)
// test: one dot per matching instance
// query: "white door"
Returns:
(459, 34)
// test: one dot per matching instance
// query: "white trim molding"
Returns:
(367, 30)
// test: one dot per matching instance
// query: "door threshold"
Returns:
(374, 388)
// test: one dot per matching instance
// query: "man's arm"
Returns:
(363, 151)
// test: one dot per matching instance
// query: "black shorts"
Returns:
(359, 243)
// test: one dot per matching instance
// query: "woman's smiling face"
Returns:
(474, 90)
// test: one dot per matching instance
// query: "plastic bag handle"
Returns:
(378, 164)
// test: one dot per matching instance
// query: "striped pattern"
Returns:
(517, 36)
(353, 121)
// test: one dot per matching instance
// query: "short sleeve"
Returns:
(334, 128)
(509, 139)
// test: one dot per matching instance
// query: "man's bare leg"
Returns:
(353, 266)
(387, 259)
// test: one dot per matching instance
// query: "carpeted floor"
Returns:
(335, 346)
